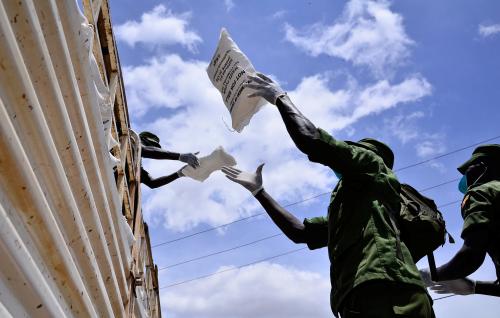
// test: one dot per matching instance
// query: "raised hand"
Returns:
(252, 181)
(264, 87)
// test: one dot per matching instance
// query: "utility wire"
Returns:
(279, 234)
(324, 193)
(220, 252)
(439, 298)
(235, 221)
(262, 213)
(235, 268)
(446, 154)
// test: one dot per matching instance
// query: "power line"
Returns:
(324, 193)
(279, 234)
(235, 268)
(439, 298)
(269, 258)
(235, 221)
(222, 251)
(446, 154)
(262, 213)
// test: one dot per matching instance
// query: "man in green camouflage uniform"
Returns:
(481, 230)
(372, 273)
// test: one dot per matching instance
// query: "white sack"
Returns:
(216, 160)
(228, 71)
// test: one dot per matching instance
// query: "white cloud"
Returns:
(488, 30)
(432, 145)
(279, 14)
(158, 27)
(264, 290)
(229, 5)
(337, 110)
(368, 33)
(403, 127)
(196, 124)
(406, 129)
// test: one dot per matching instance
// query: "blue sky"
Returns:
(420, 75)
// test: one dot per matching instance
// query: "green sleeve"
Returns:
(477, 212)
(342, 157)
(316, 231)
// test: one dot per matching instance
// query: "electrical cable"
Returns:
(321, 194)
(439, 298)
(220, 252)
(280, 234)
(263, 213)
(235, 268)
(259, 261)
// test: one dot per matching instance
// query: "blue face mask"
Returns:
(339, 175)
(462, 185)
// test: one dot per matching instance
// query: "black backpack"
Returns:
(420, 225)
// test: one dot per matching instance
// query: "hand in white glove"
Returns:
(462, 286)
(251, 181)
(190, 159)
(265, 88)
(426, 277)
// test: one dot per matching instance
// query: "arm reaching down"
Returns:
(468, 259)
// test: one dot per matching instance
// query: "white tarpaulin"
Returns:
(216, 160)
(228, 71)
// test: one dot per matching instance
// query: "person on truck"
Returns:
(151, 148)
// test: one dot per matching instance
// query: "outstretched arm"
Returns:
(292, 227)
(287, 222)
(316, 143)
(154, 183)
(468, 259)
(301, 130)
(158, 153)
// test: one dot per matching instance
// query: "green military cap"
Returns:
(377, 147)
(149, 139)
(489, 152)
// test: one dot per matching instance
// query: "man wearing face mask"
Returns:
(480, 185)
(372, 273)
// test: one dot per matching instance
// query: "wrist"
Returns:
(280, 95)
(257, 191)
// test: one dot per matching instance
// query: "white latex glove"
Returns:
(251, 181)
(462, 286)
(264, 87)
(426, 277)
(190, 159)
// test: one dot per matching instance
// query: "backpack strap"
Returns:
(399, 251)
(432, 267)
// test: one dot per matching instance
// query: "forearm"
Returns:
(488, 288)
(292, 227)
(161, 181)
(464, 263)
(301, 130)
(158, 153)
